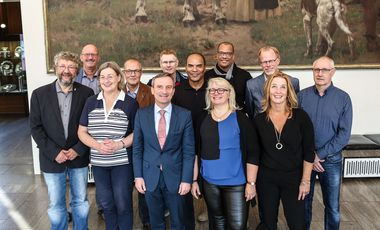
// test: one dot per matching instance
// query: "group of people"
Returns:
(218, 134)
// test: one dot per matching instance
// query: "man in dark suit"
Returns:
(163, 154)
(269, 60)
(143, 95)
(55, 110)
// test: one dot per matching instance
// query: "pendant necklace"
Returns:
(278, 137)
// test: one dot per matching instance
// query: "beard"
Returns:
(66, 83)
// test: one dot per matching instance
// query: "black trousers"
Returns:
(226, 205)
(273, 186)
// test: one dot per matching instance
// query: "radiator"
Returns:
(361, 167)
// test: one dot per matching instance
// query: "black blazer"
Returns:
(47, 129)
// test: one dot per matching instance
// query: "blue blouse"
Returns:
(228, 169)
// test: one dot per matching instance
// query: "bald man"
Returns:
(88, 73)
(330, 110)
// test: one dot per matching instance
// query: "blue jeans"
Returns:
(57, 211)
(330, 181)
(114, 189)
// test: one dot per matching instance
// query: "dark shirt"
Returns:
(191, 99)
(331, 115)
(179, 79)
(239, 81)
(297, 138)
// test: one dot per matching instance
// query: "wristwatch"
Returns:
(251, 183)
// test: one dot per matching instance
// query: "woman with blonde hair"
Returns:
(226, 164)
(284, 141)
(106, 126)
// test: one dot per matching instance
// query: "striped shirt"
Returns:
(114, 125)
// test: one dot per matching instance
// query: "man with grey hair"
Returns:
(330, 110)
(55, 110)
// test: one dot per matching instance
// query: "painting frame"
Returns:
(49, 43)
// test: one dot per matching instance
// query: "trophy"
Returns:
(18, 52)
(6, 68)
(5, 52)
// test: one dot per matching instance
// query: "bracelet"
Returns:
(305, 182)
(251, 183)
(195, 180)
(124, 145)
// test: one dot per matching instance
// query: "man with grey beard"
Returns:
(55, 110)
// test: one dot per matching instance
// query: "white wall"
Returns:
(361, 84)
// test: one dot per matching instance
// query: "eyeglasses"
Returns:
(269, 62)
(90, 54)
(132, 71)
(168, 62)
(225, 54)
(108, 77)
(218, 90)
(323, 70)
(70, 68)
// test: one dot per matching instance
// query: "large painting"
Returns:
(123, 29)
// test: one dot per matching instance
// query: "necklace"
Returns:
(278, 137)
(219, 118)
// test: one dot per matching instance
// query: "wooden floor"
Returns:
(24, 201)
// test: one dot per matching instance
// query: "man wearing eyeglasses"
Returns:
(55, 110)
(142, 93)
(330, 110)
(227, 69)
(168, 64)
(269, 60)
(87, 75)
(134, 87)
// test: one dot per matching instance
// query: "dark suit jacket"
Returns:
(144, 96)
(47, 129)
(255, 93)
(177, 155)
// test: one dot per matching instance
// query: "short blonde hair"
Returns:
(223, 83)
(115, 67)
(267, 48)
(168, 52)
(291, 98)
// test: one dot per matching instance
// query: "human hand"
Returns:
(103, 148)
(71, 154)
(113, 145)
(195, 191)
(61, 157)
(304, 190)
(250, 192)
(317, 166)
(140, 185)
(184, 188)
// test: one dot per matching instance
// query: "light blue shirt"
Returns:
(134, 93)
(84, 80)
(157, 116)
